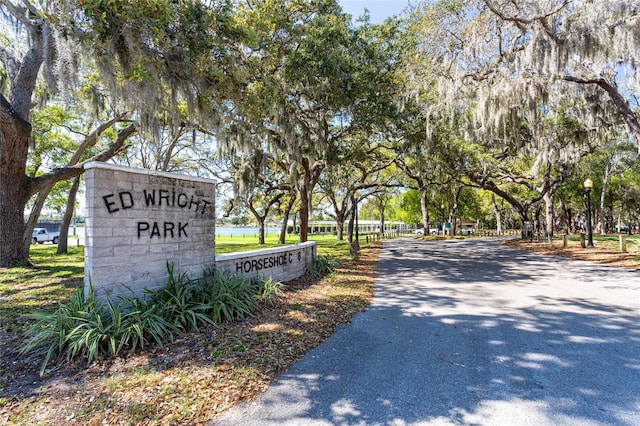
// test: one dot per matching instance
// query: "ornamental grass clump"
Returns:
(147, 322)
(91, 329)
(47, 336)
(268, 291)
(82, 328)
(232, 296)
(323, 265)
(182, 301)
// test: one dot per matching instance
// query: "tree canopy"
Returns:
(295, 106)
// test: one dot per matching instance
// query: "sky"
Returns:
(378, 9)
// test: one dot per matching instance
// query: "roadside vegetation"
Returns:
(606, 249)
(91, 329)
(196, 373)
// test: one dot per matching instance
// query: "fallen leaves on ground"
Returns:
(601, 253)
(198, 376)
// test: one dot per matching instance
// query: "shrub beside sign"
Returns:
(138, 221)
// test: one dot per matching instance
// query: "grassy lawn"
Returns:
(610, 241)
(230, 244)
(327, 244)
(23, 290)
(192, 378)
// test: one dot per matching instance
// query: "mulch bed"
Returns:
(601, 254)
(197, 376)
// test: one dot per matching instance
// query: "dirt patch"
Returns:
(604, 254)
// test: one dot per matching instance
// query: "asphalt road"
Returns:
(471, 333)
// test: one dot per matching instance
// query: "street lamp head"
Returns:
(356, 195)
(442, 206)
(588, 184)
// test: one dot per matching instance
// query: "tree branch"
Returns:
(41, 182)
(10, 62)
(630, 119)
(15, 11)
(92, 138)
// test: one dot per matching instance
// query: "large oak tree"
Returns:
(151, 57)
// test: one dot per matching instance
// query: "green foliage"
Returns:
(182, 301)
(92, 329)
(323, 265)
(231, 296)
(48, 335)
(268, 290)
(147, 321)
(411, 210)
(98, 331)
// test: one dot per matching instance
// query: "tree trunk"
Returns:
(566, 225)
(304, 213)
(14, 185)
(68, 214)
(259, 218)
(350, 224)
(261, 230)
(283, 229)
(15, 130)
(168, 154)
(340, 219)
(33, 219)
(536, 219)
(13, 198)
(605, 183)
(524, 218)
(498, 213)
(295, 222)
(548, 213)
(423, 208)
(304, 190)
(353, 242)
(454, 210)
(285, 219)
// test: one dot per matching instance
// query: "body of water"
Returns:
(245, 230)
(220, 230)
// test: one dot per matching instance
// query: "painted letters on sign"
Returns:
(158, 199)
(281, 263)
(267, 262)
(167, 230)
(125, 198)
(174, 199)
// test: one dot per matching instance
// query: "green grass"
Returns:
(55, 277)
(230, 244)
(25, 290)
(327, 244)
